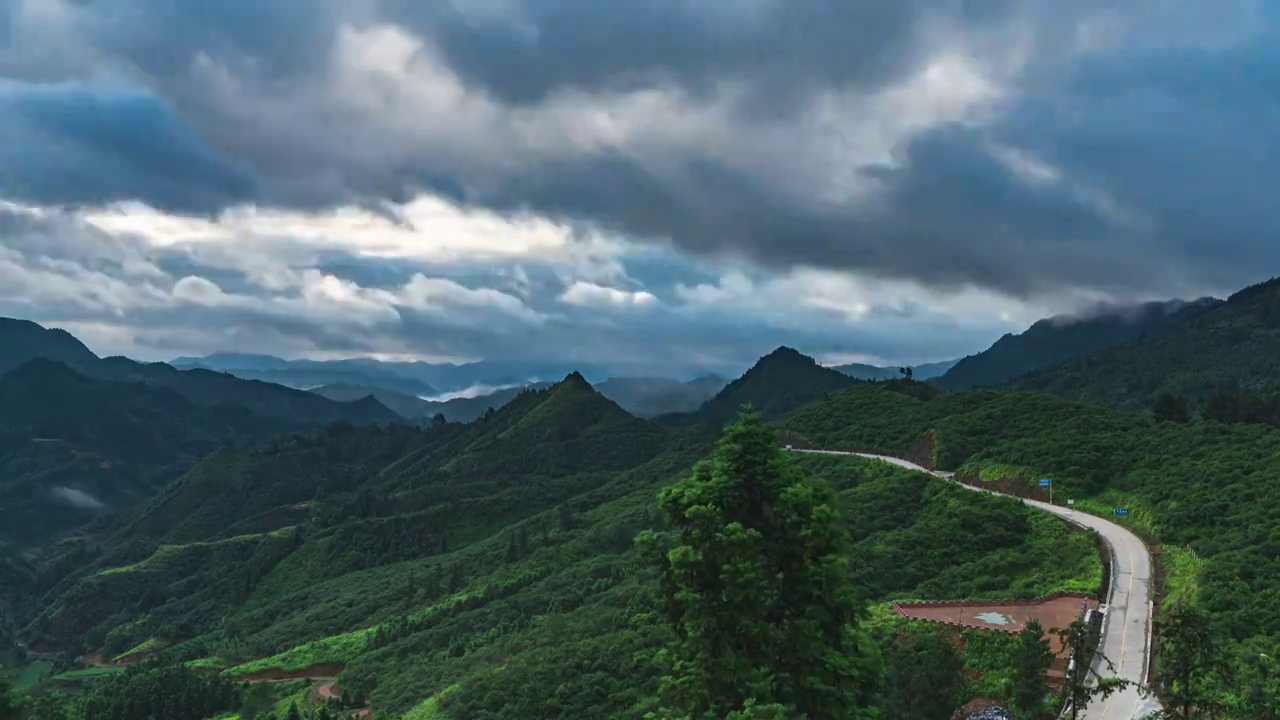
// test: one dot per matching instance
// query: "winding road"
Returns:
(1126, 629)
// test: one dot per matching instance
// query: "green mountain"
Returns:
(464, 571)
(1056, 340)
(21, 341)
(210, 388)
(642, 396)
(73, 447)
(926, 371)
(310, 378)
(1230, 350)
(777, 384)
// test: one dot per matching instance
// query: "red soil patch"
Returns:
(1008, 616)
(96, 660)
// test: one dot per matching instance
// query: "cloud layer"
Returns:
(611, 166)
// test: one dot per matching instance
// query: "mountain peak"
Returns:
(778, 383)
(22, 340)
(575, 379)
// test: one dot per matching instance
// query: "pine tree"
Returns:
(1081, 683)
(513, 549)
(1031, 659)
(923, 680)
(9, 705)
(293, 713)
(754, 582)
(1190, 662)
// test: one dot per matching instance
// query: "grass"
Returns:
(31, 675)
(333, 649)
(1181, 568)
(149, 646)
(430, 708)
(89, 673)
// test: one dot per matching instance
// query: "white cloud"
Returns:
(592, 295)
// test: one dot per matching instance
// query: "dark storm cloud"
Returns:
(77, 144)
(1161, 144)
(526, 49)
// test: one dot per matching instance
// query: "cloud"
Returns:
(69, 143)
(593, 295)
(546, 166)
(126, 287)
(77, 498)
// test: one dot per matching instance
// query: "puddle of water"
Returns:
(994, 618)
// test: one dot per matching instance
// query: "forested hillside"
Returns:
(1056, 340)
(778, 383)
(1229, 354)
(1203, 486)
(74, 447)
(21, 341)
(462, 571)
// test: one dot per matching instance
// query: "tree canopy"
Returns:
(754, 582)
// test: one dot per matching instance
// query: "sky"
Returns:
(671, 183)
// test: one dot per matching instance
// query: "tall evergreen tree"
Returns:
(1081, 683)
(9, 706)
(754, 582)
(923, 679)
(1190, 662)
(1031, 659)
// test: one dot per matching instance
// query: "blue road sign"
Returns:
(1122, 511)
(1044, 482)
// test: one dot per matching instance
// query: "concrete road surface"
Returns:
(1126, 629)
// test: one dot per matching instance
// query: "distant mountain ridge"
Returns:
(924, 371)
(411, 378)
(1056, 340)
(22, 341)
(1226, 348)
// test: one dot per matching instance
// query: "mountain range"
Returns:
(479, 566)
(1056, 340)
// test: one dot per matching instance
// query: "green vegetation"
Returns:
(923, 678)
(1203, 486)
(149, 646)
(1031, 660)
(92, 672)
(31, 675)
(488, 570)
(755, 585)
(780, 382)
(1056, 340)
(173, 693)
(462, 571)
(1231, 351)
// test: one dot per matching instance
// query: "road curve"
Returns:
(1126, 630)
